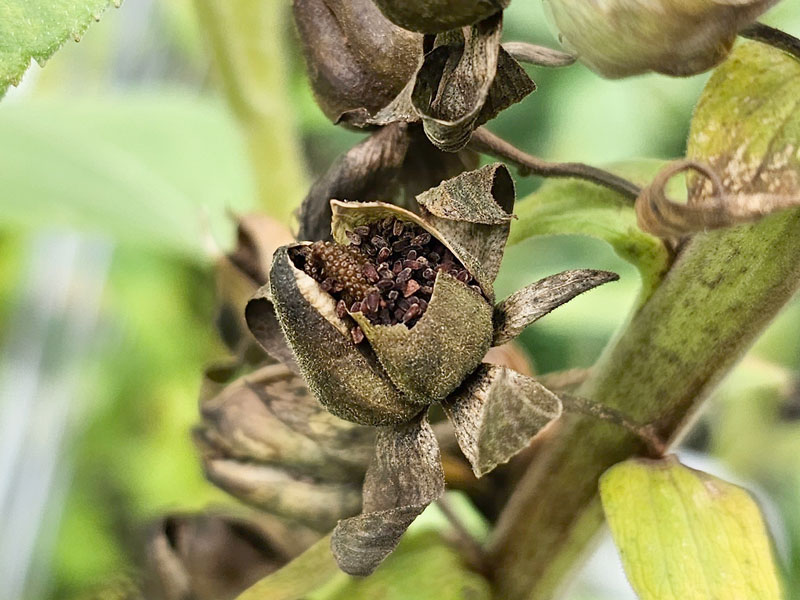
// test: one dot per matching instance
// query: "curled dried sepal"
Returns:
(465, 81)
(348, 381)
(619, 38)
(662, 217)
(436, 16)
(404, 477)
(520, 309)
(472, 211)
(431, 359)
(541, 56)
(497, 413)
(350, 48)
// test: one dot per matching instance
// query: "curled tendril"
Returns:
(665, 218)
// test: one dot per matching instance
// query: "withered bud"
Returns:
(436, 16)
(355, 57)
(619, 38)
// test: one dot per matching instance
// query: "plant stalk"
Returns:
(247, 42)
(723, 290)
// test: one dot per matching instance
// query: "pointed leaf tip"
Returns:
(524, 307)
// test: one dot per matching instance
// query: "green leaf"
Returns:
(35, 29)
(572, 206)
(423, 567)
(685, 535)
(169, 182)
(311, 570)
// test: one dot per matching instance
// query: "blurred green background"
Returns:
(121, 164)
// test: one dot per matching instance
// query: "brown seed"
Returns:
(341, 309)
(354, 238)
(404, 275)
(358, 335)
(371, 273)
(397, 228)
(387, 222)
(385, 284)
(379, 242)
(414, 265)
(356, 307)
(372, 301)
(393, 295)
(362, 230)
(397, 267)
(383, 254)
(477, 288)
(412, 313)
(400, 245)
(422, 239)
(327, 285)
(423, 305)
(412, 255)
(411, 288)
(463, 276)
(429, 274)
(426, 289)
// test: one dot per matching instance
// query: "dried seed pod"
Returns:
(435, 16)
(619, 38)
(356, 58)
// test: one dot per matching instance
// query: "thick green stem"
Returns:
(247, 38)
(723, 290)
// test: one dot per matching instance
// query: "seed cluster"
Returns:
(386, 272)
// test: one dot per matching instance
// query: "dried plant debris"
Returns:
(465, 79)
(396, 313)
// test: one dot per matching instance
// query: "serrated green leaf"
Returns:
(572, 206)
(35, 29)
(311, 570)
(685, 535)
(159, 171)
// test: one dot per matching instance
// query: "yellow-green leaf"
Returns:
(575, 207)
(311, 570)
(35, 29)
(685, 535)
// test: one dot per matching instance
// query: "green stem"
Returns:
(246, 38)
(723, 290)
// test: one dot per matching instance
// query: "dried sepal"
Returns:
(466, 80)
(355, 57)
(346, 379)
(429, 360)
(538, 55)
(472, 212)
(215, 556)
(399, 110)
(496, 414)
(259, 314)
(659, 215)
(238, 274)
(520, 309)
(269, 416)
(436, 16)
(619, 38)
(316, 503)
(404, 477)
(366, 172)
